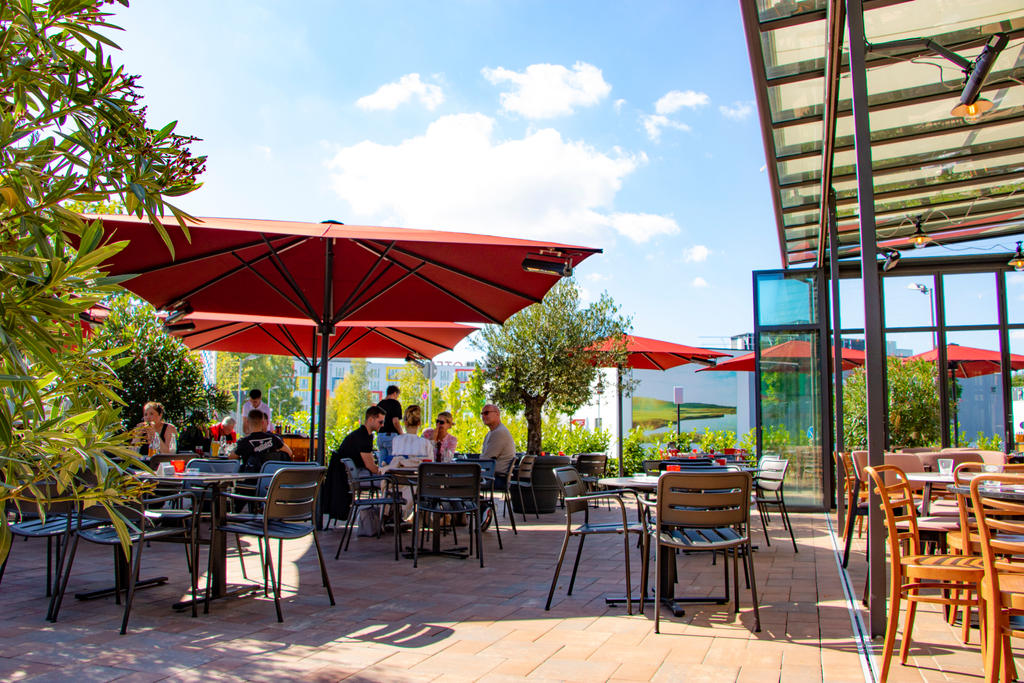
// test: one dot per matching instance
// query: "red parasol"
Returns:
(329, 272)
(967, 361)
(654, 354)
(789, 355)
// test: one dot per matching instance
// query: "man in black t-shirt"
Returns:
(259, 446)
(358, 445)
(392, 423)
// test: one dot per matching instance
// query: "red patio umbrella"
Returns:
(653, 354)
(297, 337)
(967, 361)
(329, 272)
(791, 354)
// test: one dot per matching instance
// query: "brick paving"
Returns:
(451, 620)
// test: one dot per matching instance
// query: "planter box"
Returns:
(545, 485)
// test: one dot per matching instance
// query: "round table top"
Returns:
(1003, 492)
(933, 477)
(644, 482)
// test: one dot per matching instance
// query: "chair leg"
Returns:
(735, 578)
(645, 567)
(209, 574)
(533, 492)
(895, 594)
(789, 524)
(764, 523)
(522, 502)
(347, 533)
(193, 539)
(576, 564)
(49, 565)
(558, 568)
(396, 510)
(850, 514)
(415, 537)
(629, 588)
(510, 514)
(268, 569)
(118, 576)
(58, 595)
(908, 625)
(657, 588)
(475, 520)
(497, 527)
(133, 578)
(753, 589)
(323, 568)
(241, 560)
(280, 564)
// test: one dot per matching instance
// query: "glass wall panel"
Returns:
(1015, 298)
(913, 392)
(851, 304)
(786, 298)
(909, 301)
(976, 388)
(791, 410)
(1017, 390)
(970, 299)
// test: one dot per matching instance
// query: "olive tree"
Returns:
(913, 405)
(72, 129)
(547, 354)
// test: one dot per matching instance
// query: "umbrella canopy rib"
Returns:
(463, 273)
(305, 306)
(275, 260)
(353, 308)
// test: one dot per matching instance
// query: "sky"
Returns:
(626, 126)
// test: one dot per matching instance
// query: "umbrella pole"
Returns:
(618, 386)
(325, 351)
(312, 410)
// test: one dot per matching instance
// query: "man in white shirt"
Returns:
(255, 402)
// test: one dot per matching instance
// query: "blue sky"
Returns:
(625, 126)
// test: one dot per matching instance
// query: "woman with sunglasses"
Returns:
(442, 440)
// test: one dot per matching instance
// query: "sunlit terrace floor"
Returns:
(451, 620)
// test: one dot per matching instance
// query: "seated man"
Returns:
(358, 445)
(260, 446)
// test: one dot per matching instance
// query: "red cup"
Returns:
(691, 457)
(720, 461)
(673, 452)
(561, 452)
(694, 450)
(673, 468)
(179, 466)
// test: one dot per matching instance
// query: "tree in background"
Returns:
(913, 405)
(72, 130)
(273, 375)
(545, 353)
(153, 365)
(351, 397)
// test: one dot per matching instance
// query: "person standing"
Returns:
(442, 441)
(255, 402)
(392, 423)
(260, 445)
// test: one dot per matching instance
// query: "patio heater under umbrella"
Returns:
(653, 354)
(297, 337)
(329, 272)
(967, 361)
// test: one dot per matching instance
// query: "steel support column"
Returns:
(1004, 363)
(326, 327)
(838, 436)
(942, 362)
(873, 337)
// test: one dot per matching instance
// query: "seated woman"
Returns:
(153, 435)
(408, 449)
(442, 441)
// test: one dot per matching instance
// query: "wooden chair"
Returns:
(914, 571)
(856, 502)
(1001, 536)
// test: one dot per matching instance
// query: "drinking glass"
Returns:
(945, 466)
(673, 468)
(178, 465)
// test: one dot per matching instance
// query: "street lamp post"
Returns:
(925, 289)
(238, 403)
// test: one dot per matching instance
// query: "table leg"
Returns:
(926, 504)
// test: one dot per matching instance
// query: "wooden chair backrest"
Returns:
(899, 505)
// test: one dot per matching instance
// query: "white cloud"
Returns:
(699, 282)
(619, 104)
(457, 176)
(698, 253)
(640, 227)
(655, 123)
(674, 100)
(390, 95)
(597, 277)
(546, 90)
(738, 111)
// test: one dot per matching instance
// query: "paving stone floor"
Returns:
(451, 620)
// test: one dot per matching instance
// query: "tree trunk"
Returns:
(533, 429)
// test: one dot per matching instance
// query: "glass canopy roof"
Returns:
(961, 181)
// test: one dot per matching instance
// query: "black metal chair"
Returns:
(487, 495)
(701, 512)
(53, 521)
(289, 511)
(768, 485)
(524, 480)
(377, 498)
(448, 489)
(143, 524)
(578, 500)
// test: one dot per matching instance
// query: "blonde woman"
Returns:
(410, 445)
(442, 441)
